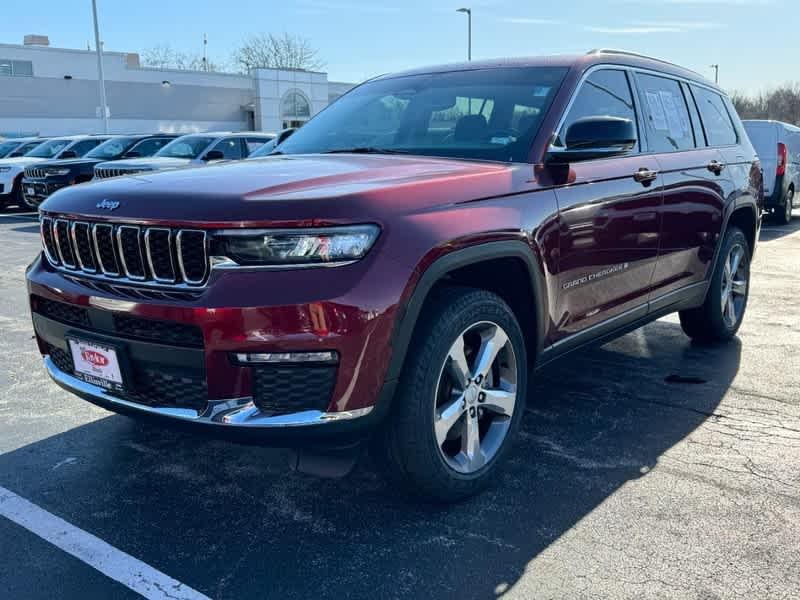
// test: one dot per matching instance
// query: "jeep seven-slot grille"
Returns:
(123, 252)
(106, 172)
(35, 173)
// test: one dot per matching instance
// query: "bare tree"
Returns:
(781, 104)
(166, 57)
(270, 51)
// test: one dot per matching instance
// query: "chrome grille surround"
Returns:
(35, 173)
(123, 252)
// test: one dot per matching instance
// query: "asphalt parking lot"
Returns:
(647, 468)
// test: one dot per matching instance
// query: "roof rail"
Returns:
(638, 55)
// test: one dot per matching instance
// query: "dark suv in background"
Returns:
(44, 178)
(398, 266)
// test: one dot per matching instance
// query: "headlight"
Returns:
(55, 172)
(285, 247)
(5, 169)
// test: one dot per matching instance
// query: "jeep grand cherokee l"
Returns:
(396, 269)
(12, 169)
(44, 178)
(193, 150)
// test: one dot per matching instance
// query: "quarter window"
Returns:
(666, 113)
(605, 93)
(716, 119)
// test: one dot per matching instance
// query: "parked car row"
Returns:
(406, 261)
(33, 168)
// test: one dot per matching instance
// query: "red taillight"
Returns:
(782, 158)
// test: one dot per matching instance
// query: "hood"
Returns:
(294, 188)
(21, 161)
(70, 162)
(153, 163)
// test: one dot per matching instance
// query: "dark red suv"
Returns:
(399, 265)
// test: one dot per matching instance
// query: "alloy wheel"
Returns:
(734, 285)
(476, 397)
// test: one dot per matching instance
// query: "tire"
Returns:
(783, 214)
(408, 447)
(707, 323)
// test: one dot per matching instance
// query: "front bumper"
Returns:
(192, 342)
(37, 191)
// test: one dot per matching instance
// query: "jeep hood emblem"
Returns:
(108, 204)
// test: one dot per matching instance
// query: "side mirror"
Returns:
(69, 154)
(214, 155)
(595, 137)
(133, 154)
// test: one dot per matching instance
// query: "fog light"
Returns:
(255, 358)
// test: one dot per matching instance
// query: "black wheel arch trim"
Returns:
(410, 312)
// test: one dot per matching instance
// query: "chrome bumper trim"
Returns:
(235, 412)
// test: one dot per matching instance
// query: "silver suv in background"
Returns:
(778, 147)
(191, 150)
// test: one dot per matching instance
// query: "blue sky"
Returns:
(756, 42)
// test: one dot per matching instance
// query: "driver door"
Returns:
(609, 218)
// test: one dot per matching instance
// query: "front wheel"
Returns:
(460, 399)
(720, 316)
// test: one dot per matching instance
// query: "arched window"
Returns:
(295, 106)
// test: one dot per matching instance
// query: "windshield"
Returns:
(49, 149)
(113, 148)
(185, 147)
(489, 114)
(25, 148)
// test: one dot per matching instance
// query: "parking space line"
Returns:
(111, 562)
(30, 215)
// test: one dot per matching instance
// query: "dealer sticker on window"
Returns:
(96, 363)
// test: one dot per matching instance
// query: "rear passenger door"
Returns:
(608, 217)
(693, 174)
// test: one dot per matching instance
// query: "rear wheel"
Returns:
(784, 213)
(460, 399)
(720, 316)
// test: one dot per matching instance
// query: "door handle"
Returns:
(645, 176)
(716, 167)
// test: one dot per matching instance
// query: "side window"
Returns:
(605, 93)
(253, 144)
(83, 147)
(231, 148)
(666, 114)
(150, 147)
(716, 120)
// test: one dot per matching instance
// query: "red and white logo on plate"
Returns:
(97, 360)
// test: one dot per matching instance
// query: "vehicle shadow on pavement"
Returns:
(770, 230)
(233, 522)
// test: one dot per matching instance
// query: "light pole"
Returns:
(468, 11)
(716, 73)
(100, 78)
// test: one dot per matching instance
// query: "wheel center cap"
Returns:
(471, 394)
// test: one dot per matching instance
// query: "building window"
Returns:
(20, 68)
(295, 106)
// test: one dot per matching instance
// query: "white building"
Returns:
(54, 91)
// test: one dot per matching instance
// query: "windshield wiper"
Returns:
(365, 150)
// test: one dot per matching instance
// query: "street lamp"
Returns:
(469, 30)
(100, 79)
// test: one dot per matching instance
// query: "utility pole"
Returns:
(205, 55)
(468, 12)
(100, 77)
(716, 73)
